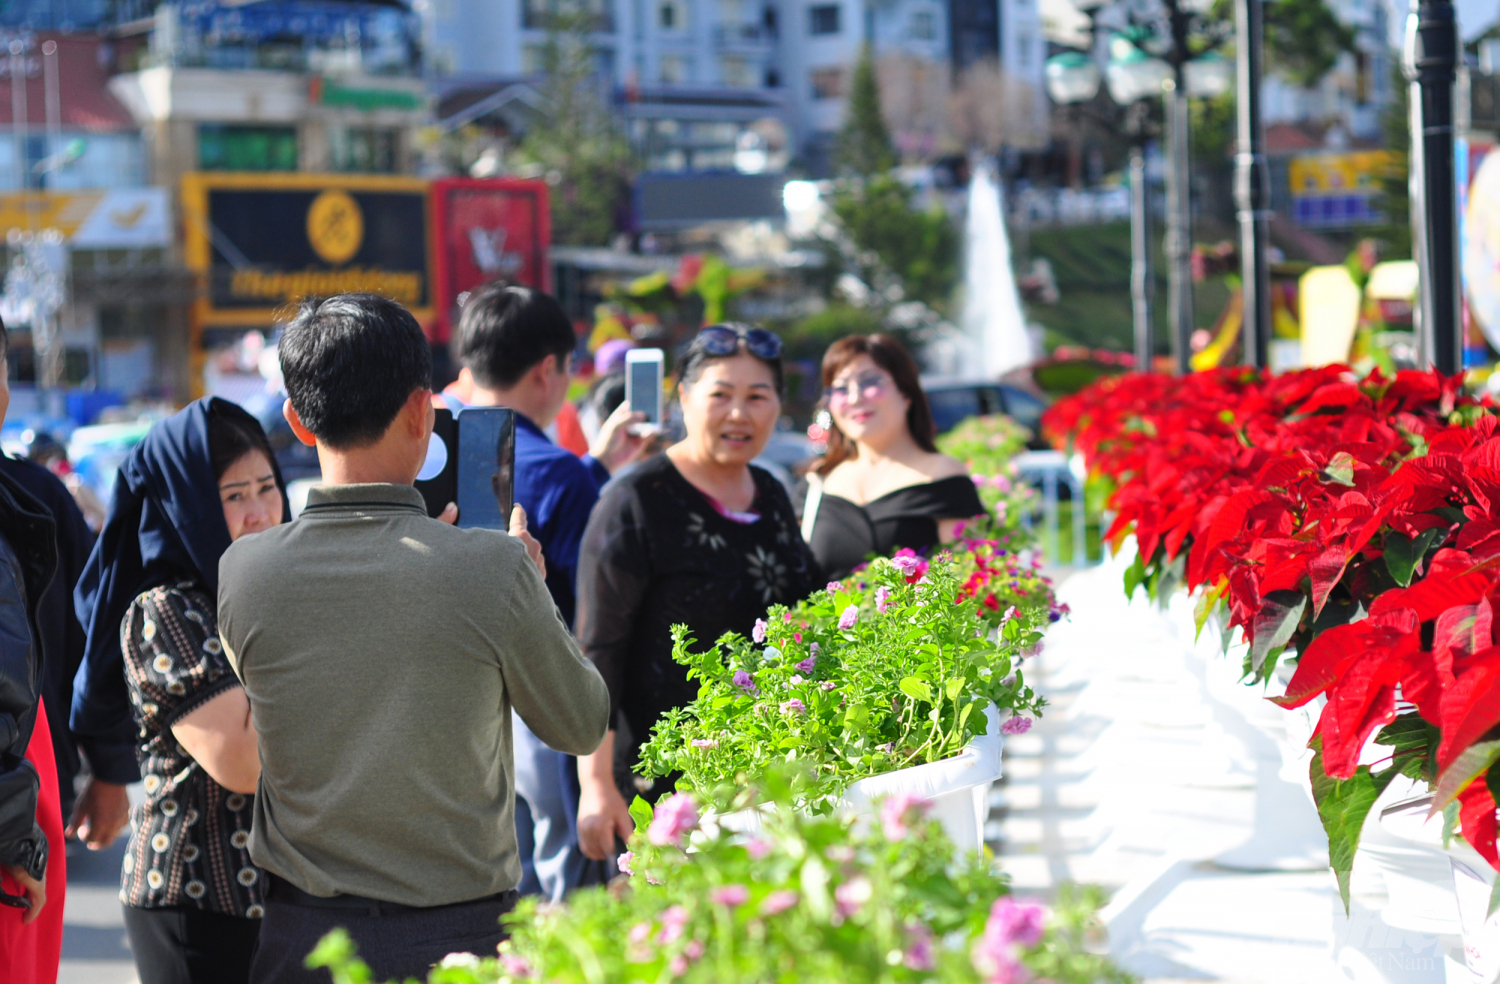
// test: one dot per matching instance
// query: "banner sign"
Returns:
(128, 218)
(1334, 190)
(266, 241)
(487, 229)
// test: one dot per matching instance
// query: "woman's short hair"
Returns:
(695, 355)
(888, 354)
(231, 438)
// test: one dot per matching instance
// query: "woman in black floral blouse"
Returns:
(199, 480)
(698, 536)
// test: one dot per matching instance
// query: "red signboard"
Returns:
(487, 229)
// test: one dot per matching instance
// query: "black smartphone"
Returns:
(486, 467)
(438, 479)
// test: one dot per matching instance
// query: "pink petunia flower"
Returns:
(757, 848)
(848, 619)
(744, 681)
(694, 949)
(515, 966)
(1016, 725)
(919, 955)
(639, 932)
(852, 895)
(705, 743)
(778, 902)
(906, 562)
(826, 685)
(675, 816)
(730, 895)
(806, 666)
(899, 810)
(793, 706)
(882, 599)
(834, 587)
(759, 632)
(1016, 922)
(673, 922)
(625, 862)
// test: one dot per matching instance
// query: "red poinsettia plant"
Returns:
(1353, 522)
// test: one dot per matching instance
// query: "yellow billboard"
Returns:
(1355, 172)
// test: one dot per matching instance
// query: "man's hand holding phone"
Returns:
(620, 441)
(533, 548)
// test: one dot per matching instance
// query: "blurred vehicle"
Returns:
(952, 401)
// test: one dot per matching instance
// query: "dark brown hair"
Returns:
(231, 438)
(888, 354)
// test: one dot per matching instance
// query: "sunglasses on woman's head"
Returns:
(721, 340)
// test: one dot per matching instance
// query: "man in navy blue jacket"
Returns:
(517, 344)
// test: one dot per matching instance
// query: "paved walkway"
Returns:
(94, 948)
(1131, 781)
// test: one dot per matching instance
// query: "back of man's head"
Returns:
(350, 363)
(505, 331)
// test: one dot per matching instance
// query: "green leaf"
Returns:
(1277, 620)
(1207, 602)
(641, 813)
(1494, 900)
(954, 688)
(1465, 769)
(1135, 575)
(1450, 823)
(1402, 554)
(1340, 469)
(1343, 806)
(916, 689)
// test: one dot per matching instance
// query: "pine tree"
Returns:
(579, 144)
(864, 146)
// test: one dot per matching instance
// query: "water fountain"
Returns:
(991, 321)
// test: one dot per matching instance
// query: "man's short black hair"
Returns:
(506, 330)
(350, 363)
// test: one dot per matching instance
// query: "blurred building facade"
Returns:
(747, 84)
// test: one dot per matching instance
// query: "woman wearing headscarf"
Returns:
(155, 666)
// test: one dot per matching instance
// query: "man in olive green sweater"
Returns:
(382, 652)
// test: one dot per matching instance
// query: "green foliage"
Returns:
(897, 688)
(864, 144)
(809, 337)
(802, 899)
(986, 446)
(891, 235)
(1394, 200)
(1343, 806)
(1304, 40)
(579, 142)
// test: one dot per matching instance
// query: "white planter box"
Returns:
(957, 788)
(1473, 880)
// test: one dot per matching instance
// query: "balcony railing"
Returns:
(743, 36)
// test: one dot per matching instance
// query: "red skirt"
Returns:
(30, 954)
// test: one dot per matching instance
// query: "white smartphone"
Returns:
(643, 387)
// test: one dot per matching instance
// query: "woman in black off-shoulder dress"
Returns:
(883, 485)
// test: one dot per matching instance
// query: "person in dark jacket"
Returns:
(105, 808)
(32, 866)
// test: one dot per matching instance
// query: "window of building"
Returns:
(247, 148)
(362, 149)
(923, 26)
(736, 71)
(823, 19)
(676, 69)
(672, 15)
(827, 83)
(773, 78)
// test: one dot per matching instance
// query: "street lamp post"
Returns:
(1142, 277)
(1252, 184)
(1179, 244)
(1431, 62)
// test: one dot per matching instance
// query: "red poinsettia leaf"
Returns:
(1332, 653)
(1324, 571)
(1362, 702)
(1476, 819)
(1422, 682)
(1470, 705)
(1452, 579)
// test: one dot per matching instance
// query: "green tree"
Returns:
(864, 145)
(579, 145)
(1304, 40)
(892, 236)
(1394, 201)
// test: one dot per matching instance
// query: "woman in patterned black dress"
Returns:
(697, 536)
(192, 897)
